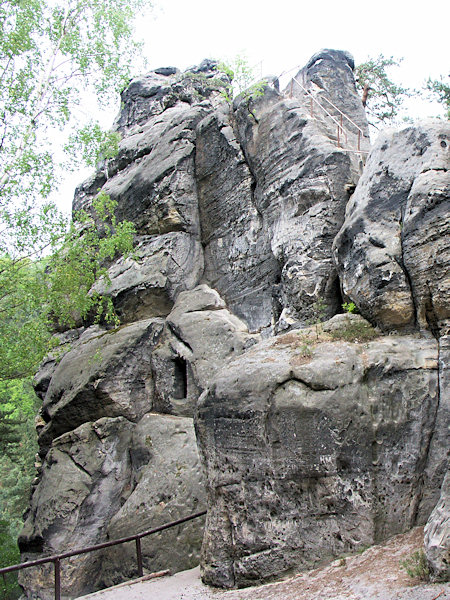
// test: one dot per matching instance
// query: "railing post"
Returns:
(359, 140)
(139, 557)
(56, 560)
(57, 565)
(292, 87)
(338, 140)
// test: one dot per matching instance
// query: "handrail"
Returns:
(344, 115)
(340, 126)
(56, 559)
(308, 93)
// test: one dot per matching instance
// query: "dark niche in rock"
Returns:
(318, 433)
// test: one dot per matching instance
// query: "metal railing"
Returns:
(56, 559)
(341, 131)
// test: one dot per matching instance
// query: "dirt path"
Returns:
(373, 575)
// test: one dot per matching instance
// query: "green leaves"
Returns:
(49, 51)
(384, 97)
(18, 446)
(440, 90)
(242, 77)
(56, 290)
(93, 144)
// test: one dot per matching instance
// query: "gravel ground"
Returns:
(373, 575)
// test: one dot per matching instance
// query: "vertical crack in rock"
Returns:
(428, 430)
(401, 260)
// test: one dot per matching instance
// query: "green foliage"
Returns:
(349, 307)
(48, 52)
(416, 565)
(18, 449)
(440, 91)
(17, 453)
(92, 144)
(9, 555)
(305, 347)
(203, 85)
(319, 315)
(242, 77)
(385, 97)
(57, 289)
(355, 331)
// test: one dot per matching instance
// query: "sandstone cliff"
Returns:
(319, 432)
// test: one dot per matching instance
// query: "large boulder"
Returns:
(313, 449)
(84, 481)
(393, 251)
(167, 484)
(106, 373)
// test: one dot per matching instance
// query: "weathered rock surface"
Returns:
(327, 85)
(110, 479)
(308, 457)
(393, 251)
(106, 373)
(167, 479)
(84, 480)
(315, 442)
(437, 536)
(239, 261)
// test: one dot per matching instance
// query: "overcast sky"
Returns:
(285, 33)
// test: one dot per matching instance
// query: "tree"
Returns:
(440, 91)
(381, 97)
(243, 79)
(49, 52)
(18, 447)
(37, 295)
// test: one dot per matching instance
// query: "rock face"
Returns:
(315, 438)
(392, 251)
(437, 536)
(310, 456)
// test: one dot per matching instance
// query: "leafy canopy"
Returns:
(35, 296)
(242, 77)
(440, 90)
(382, 97)
(53, 53)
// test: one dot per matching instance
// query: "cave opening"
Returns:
(180, 379)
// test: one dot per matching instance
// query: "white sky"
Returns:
(286, 33)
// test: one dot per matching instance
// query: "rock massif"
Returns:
(318, 432)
